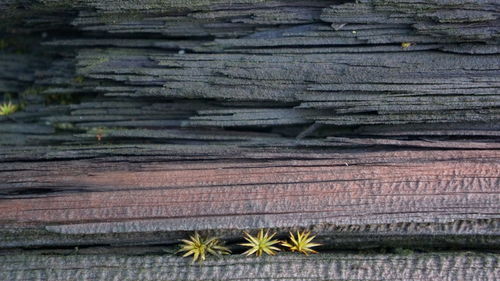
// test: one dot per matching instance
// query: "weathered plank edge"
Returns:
(431, 266)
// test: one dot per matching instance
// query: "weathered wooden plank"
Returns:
(144, 195)
(432, 266)
(148, 194)
(278, 66)
(371, 123)
(476, 234)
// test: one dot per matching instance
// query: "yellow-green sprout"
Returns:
(262, 243)
(302, 243)
(200, 247)
(7, 108)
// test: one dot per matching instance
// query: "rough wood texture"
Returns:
(369, 193)
(273, 71)
(444, 266)
(373, 123)
(366, 188)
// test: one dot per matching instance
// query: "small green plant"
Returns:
(262, 243)
(79, 79)
(200, 247)
(64, 126)
(406, 45)
(302, 243)
(7, 108)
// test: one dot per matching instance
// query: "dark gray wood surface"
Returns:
(373, 123)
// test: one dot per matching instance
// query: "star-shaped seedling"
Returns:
(302, 243)
(7, 108)
(200, 247)
(262, 243)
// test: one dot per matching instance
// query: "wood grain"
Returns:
(109, 195)
(442, 266)
(255, 73)
(372, 123)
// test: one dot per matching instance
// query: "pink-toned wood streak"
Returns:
(101, 196)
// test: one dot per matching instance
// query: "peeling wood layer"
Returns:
(255, 73)
(372, 123)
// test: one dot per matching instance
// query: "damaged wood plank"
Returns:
(257, 67)
(441, 266)
(148, 194)
(371, 123)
